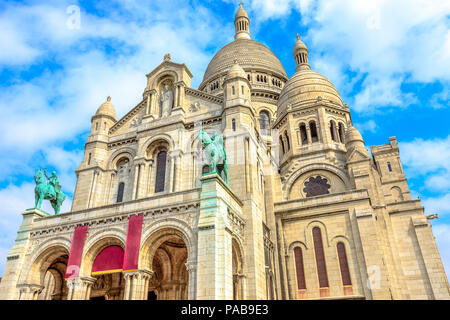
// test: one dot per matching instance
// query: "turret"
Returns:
(103, 119)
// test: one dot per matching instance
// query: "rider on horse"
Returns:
(53, 181)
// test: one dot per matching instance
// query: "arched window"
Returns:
(345, 271)
(282, 145)
(120, 192)
(389, 167)
(233, 124)
(300, 271)
(89, 159)
(332, 130)
(313, 129)
(303, 135)
(264, 122)
(205, 169)
(288, 144)
(341, 132)
(320, 262)
(232, 90)
(160, 171)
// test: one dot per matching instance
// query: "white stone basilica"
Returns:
(308, 212)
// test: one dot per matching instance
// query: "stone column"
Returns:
(80, 288)
(29, 291)
(308, 134)
(150, 184)
(93, 188)
(136, 284)
(191, 267)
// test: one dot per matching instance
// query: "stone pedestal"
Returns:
(214, 263)
(16, 257)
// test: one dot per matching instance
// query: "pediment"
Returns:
(357, 155)
(129, 121)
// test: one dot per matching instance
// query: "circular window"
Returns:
(316, 186)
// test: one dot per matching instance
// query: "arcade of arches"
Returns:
(169, 277)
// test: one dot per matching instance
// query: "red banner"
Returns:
(76, 252)
(131, 259)
(109, 260)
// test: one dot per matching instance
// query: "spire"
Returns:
(301, 55)
(241, 23)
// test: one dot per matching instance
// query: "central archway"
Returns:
(166, 254)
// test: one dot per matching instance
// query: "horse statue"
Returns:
(50, 190)
(215, 153)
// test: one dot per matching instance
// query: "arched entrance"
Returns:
(238, 288)
(45, 280)
(167, 255)
(55, 287)
(109, 283)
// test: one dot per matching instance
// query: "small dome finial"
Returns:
(108, 98)
(241, 23)
(301, 55)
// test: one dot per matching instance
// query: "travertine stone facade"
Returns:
(308, 213)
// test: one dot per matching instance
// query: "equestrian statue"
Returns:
(215, 153)
(50, 190)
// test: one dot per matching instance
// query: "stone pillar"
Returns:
(150, 183)
(432, 261)
(308, 133)
(16, 257)
(29, 291)
(373, 271)
(214, 262)
(93, 190)
(136, 284)
(191, 267)
(80, 288)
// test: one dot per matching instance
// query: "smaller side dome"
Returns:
(107, 109)
(236, 71)
(353, 135)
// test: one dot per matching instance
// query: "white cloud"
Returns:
(439, 205)
(370, 126)
(430, 159)
(390, 43)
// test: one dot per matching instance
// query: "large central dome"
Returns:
(263, 68)
(249, 54)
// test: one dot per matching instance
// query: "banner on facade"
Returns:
(131, 259)
(76, 252)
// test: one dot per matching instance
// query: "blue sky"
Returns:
(390, 61)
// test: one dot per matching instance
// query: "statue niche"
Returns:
(166, 98)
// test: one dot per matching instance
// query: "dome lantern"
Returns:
(241, 24)
(301, 55)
